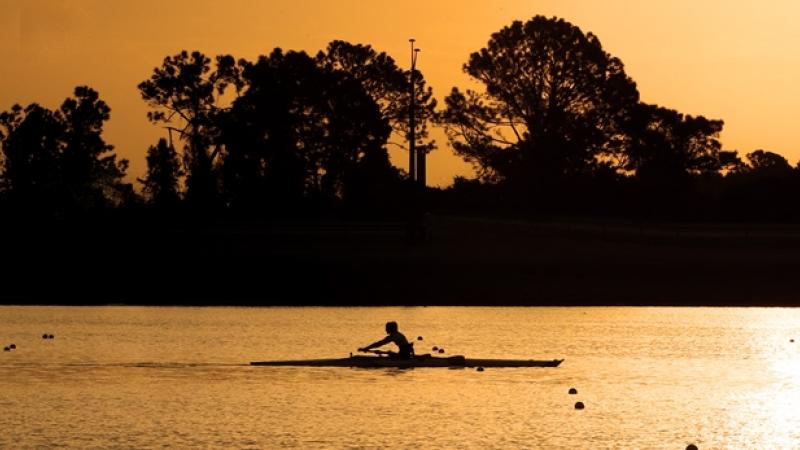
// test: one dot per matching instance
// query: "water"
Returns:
(144, 377)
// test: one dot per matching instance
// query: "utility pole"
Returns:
(420, 152)
(416, 160)
(412, 120)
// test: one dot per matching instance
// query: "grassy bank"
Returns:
(464, 261)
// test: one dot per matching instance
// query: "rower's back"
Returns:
(406, 349)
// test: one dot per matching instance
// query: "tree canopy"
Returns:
(666, 146)
(185, 95)
(554, 122)
(552, 104)
(300, 131)
(387, 84)
(58, 160)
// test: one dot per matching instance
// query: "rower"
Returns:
(405, 349)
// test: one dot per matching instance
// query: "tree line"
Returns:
(556, 125)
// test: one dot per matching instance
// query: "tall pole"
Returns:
(412, 123)
(416, 160)
(419, 151)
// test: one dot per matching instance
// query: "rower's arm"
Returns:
(383, 341)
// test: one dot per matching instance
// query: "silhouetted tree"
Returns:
(161, 182)
(185, 90)
(551, 107)
(59, 160)
(764, 188)
(387, 84)
(768, 163)
(90, 171)
(668, 147)
(676, 159)
(300, 132)
(262, 164)
(32, 140)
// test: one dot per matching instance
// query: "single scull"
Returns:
(415, 361)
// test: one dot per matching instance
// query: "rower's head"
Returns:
(391, 327)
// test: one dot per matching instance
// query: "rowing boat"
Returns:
(415, 361)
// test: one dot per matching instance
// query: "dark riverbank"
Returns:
(464, 261)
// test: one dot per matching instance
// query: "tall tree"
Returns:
(551, 106)
(298, 131)
(264, 161)
(667, 147)
(388, 85)
(90, 170)
(185, 94)
(56, 160)
(32, 138)
(163, 175)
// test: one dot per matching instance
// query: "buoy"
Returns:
(44, 336)
(441, 350)
(479, 369)
(573, 391)
(419, 338)
(51, 337)
(791, 340)
(6, 349)
(579, 405)
(691, 447)
(12, 346)
(434, 348)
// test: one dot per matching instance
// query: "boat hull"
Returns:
(420, 361)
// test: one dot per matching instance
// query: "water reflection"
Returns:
(650, 378)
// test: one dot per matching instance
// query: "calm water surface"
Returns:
(143, 377)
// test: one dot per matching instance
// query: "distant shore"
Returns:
(463, 261)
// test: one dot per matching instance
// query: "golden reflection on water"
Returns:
(650, 378)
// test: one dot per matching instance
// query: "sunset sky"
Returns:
(736, 60)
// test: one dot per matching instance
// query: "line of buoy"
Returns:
(580, 405)
(48, 336)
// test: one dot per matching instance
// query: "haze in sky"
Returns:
(735, 60)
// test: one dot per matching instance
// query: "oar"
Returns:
(376, 352)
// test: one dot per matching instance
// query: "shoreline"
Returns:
(464, 262)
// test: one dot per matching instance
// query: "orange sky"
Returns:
(736, 60)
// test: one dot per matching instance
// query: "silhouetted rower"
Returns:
(405, 349)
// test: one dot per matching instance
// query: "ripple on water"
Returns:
(650, 378)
